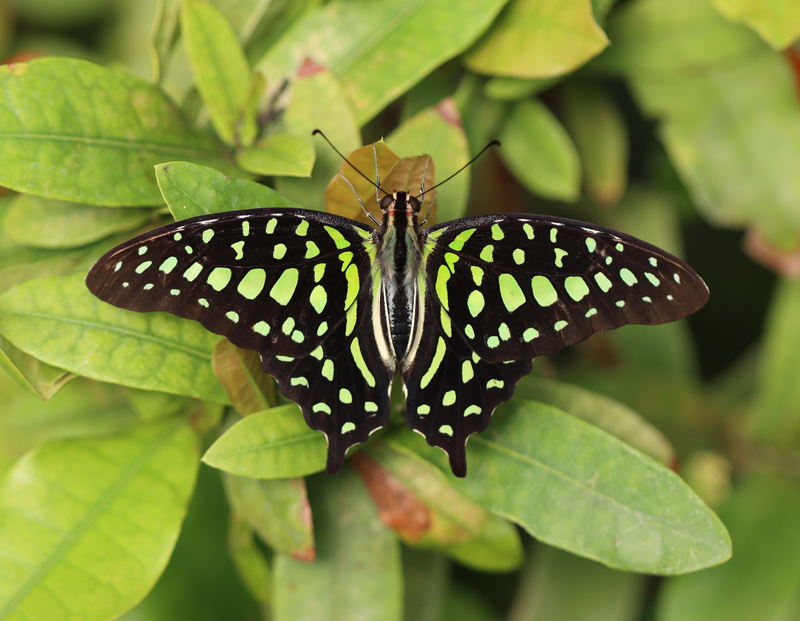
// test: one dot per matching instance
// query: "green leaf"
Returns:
(94, 138)
(239, 371)
(357, 573)
(438, 132)
(577, 487)
(279, 155)
(539, 152)
(277, 509)
(355, 41)
(35, 376)
(58, 321)
(416, 501)
(763, 577)
(777, 22)
(64, 509)
(558, 586)
(249, 128)
(538, 39)
(598, 129)
(611, 416)
(272, 444)
(511, 89)
(318, 102)
(192, 190)
(250, 563)
(727, 106)
(163, 35)
(775, 416)
(47, 223)
(221, 71)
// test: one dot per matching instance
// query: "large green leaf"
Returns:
(222, 73)
(538, 39)
(87, 526)
(762, 579)
(94, 138)
(577, 487)
(357, 573)
(279, 155)
(47, 223)
(277, 509)
(728, 106)
(358, 42)
(437, 131)
(272, 444)
(611, 416)
(777, 21)
(58, 321)
(192, 190)
(538, 150)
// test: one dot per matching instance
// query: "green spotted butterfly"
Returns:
(336, 308)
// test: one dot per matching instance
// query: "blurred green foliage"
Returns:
(673, 120)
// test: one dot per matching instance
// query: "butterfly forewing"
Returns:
(518, 286)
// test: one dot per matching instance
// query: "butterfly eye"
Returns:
(414, 204)
(386, 202)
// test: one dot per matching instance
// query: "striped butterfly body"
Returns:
(336, 308)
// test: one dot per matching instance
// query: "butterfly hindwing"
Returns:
(342, 386)
(451, 392)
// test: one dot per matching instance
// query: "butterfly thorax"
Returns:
(399, 253)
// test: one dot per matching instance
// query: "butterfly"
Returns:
(336, 308)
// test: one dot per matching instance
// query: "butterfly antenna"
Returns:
(493, 143)
(377, 185)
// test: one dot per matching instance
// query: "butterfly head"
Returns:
(400, 202)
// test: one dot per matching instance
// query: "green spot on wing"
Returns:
(441, 286)
(576, 288)
(168, 265)
(193, 272)
(219, 278)
(628, 277)
(458, 243)
(543, 291)
(475, 303)
(355, 349)
(603, 282)
(337, 237)
(510, 292)
(319, 298)
(284, 288)
(252, 284)
(438, 356)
